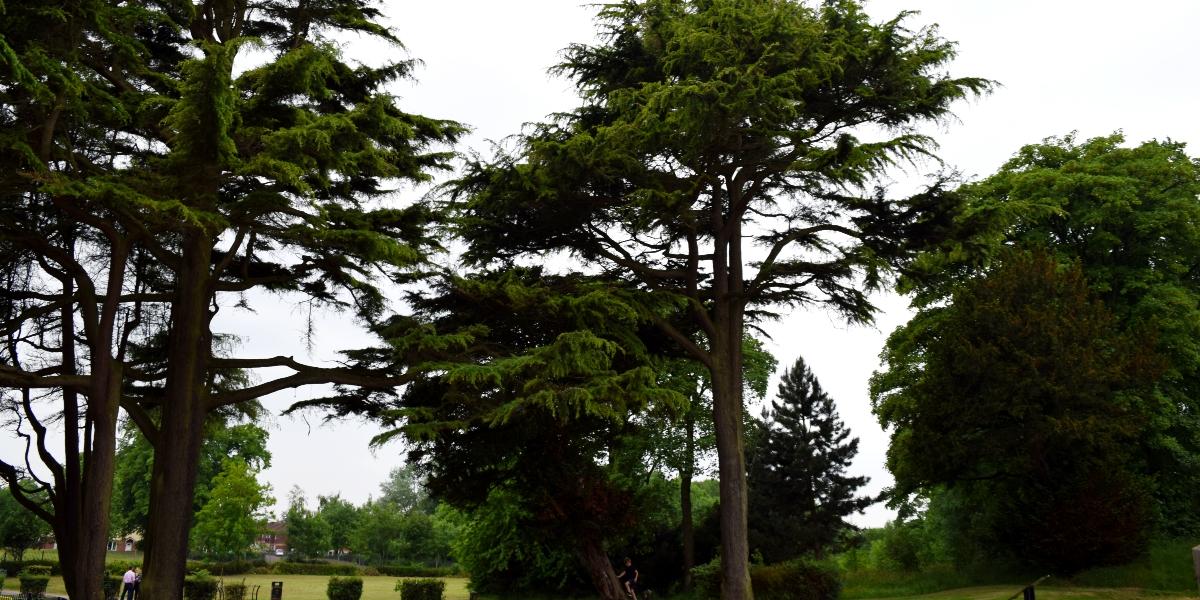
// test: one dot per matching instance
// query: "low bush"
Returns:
(792, 580)
(344, 588)
(421, 589)
(111, 586)
(233, 591)
(38, 570)
(33, 585)
(226, 567)
(200, 586)
(298, 568)
(14, 566)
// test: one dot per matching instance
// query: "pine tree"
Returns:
(799, 491)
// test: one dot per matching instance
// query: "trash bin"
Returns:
(276, 590)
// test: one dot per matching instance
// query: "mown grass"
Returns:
(312, 587)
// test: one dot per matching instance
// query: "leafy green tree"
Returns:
(800, 493)
(708, 127)
(342, 518)
(380, 527)
(131, 487)
(232, 515)
(1022, 395)
(20, 529)
(405, 488)
(1128, 216)
(309, 536)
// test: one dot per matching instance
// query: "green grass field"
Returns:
(311, 587)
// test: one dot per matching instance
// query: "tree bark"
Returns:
(595, 562)
(177, 455)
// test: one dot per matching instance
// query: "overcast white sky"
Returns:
(1068, 65)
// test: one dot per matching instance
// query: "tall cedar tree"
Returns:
(1023, 396)
(800, 494)
(268, 180)
(75, 291)
(709, 127)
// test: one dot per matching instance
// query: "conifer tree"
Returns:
(800, 493)
(708, 128)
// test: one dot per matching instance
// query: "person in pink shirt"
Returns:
(129, 579)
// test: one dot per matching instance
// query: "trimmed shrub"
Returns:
(13, 566)
(421, 589)
(111, 586)
(38, 570)
(298, 568)
(33, 585)
(233, 591)
(792, 580)
(200, 586)
(226, 567)
(344, 588)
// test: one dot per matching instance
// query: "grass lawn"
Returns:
(1051, 593)
(312, 587)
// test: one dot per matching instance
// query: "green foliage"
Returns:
(233, 591)
(37, 570)
(792, 580)
(308, 534)
(341, 517)
(223, 439)
(421, 589)
(33, 585)
(706, 127)
(800, 494)
(200, 586)
(344, 588)
(1021, 394)
(232, 517)
(111, 588)
(19, 528)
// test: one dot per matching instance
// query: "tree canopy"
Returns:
(707, 129)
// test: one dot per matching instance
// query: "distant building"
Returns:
(274, 536)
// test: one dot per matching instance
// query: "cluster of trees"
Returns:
(148, 183)
(1043, 398)
(404, 525)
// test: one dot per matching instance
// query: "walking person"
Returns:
(127, 582)
(629, 578)
(137, 583)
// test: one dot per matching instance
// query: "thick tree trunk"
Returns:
(176, 457)
(685, 502)
(85, 489)
(725, 367)
(595, 562)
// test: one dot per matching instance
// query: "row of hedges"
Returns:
(793, 580)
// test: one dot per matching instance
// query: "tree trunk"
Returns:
(685, 501)
(177, 455)
(595, 562)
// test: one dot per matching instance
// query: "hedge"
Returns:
(234, 591)
(792, 580)
(298, 568)
(421, 589)
(13, 566)
(416, 571)
(200, 586)
(33, 585)
(344, 588)
(111, 586)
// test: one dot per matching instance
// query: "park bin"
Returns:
(276, 590)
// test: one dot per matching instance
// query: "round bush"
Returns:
(344, 588)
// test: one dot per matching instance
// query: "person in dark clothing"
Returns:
(629, 578)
